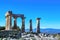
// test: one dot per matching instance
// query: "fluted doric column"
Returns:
(30, 25)
(23, 25)
(38, 25)
(8, 20)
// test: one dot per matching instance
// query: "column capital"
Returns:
(9, 13)
(30, 20)
(15, 17)
(38, 18)
(23, 17)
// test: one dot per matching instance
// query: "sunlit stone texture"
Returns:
(8, 16)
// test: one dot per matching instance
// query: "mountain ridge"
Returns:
(47, 30)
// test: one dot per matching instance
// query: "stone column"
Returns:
(30, 25)
(23, 25)
(15, 23)
(38, 25)
(8, 20)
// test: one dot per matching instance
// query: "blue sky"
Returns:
(48, 10)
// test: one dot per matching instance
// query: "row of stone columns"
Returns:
(23, 25)
(9, 23)
(9, 16)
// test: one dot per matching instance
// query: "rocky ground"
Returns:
(14, 35)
